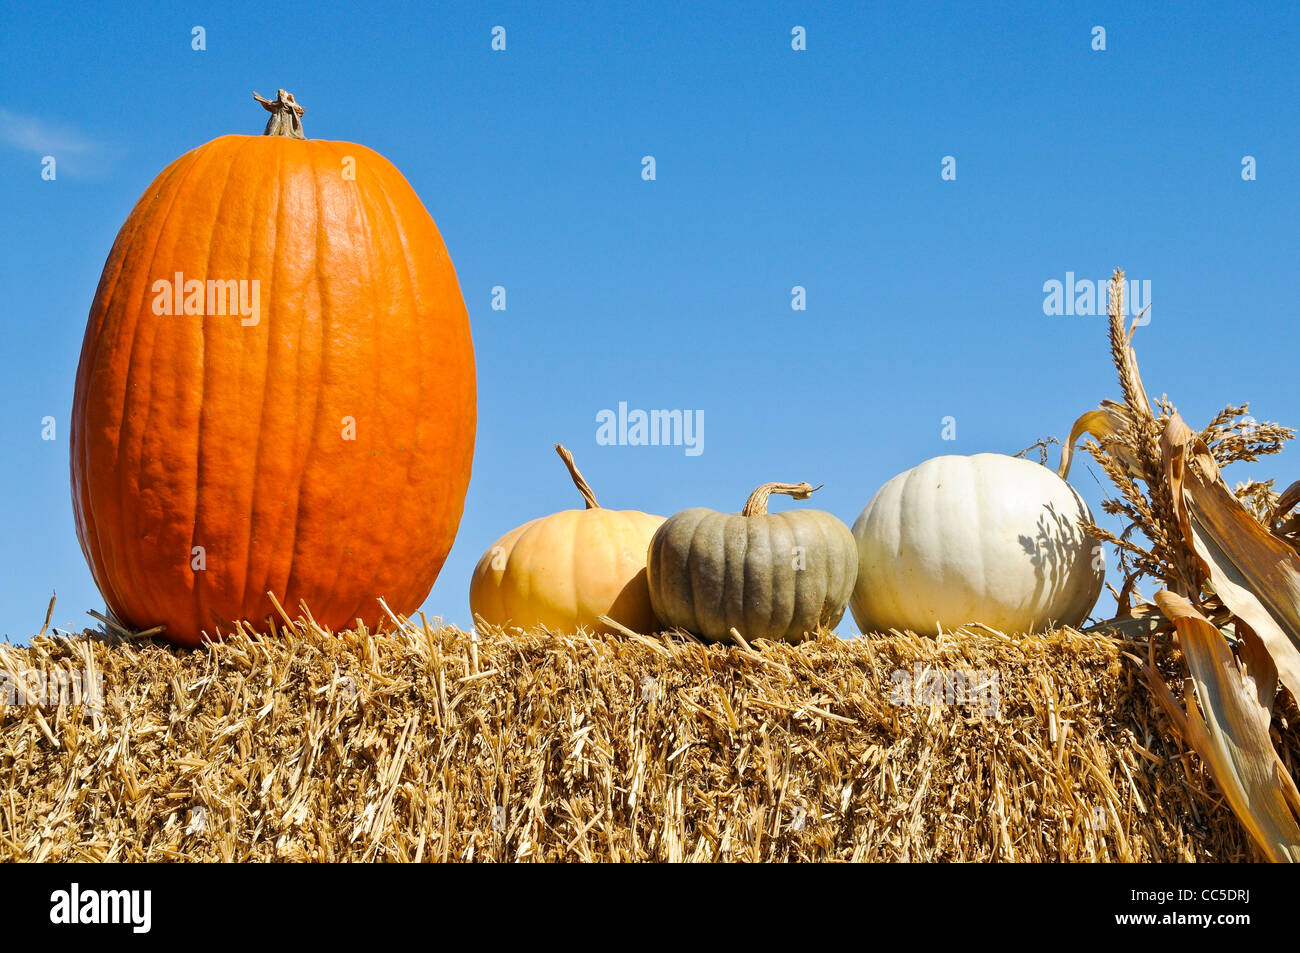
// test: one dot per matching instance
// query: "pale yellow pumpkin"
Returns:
(565, 570)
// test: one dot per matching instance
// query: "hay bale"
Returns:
(424, 744)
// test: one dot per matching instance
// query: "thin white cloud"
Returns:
(43, 137)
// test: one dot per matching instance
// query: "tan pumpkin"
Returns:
(566, 570)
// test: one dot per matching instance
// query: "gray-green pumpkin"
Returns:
(767, 575)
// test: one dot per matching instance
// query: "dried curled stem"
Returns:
(583, 486)
(756, 505)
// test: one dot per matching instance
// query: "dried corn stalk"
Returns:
(1229, 564)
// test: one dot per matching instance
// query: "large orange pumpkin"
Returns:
(315, 439)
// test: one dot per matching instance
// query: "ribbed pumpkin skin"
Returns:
(564, 570)
(710, 572)
(193, 431)
(986, 538)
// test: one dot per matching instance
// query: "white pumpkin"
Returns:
(986, 538)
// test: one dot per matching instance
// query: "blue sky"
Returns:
(775, 168)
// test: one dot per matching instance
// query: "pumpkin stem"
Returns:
(756, 505)
(583, 487)
(286, 115)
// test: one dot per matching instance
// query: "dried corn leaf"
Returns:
(1256, 574)
(1228, 727)
(1286, 501)
(1107, 423)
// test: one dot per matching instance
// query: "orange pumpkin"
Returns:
(313, 440)
(566, 570)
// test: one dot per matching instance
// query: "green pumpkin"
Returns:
(767, 575)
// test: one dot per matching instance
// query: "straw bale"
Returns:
(426, 743)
